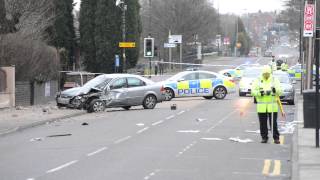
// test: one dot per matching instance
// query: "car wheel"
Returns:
(220, 92)
(96, 105)
(169, 94)
(126, 107)
(149, 102)
(291, 102)
(208, 97)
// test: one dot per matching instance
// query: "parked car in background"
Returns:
(249, 75)
(288, 94)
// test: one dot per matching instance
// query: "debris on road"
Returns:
(237, 139)
(287, 128)
(59, 135)
(173, 107)
(140, 124)
(36, 139)
(84, 124)
(188, 131)
(200, 119)
(212, 139)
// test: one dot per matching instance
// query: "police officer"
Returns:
(265, 89)
(284, 66)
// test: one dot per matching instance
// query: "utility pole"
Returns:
(170, 54)
(317, 48)
(124, 9)
(150, 67)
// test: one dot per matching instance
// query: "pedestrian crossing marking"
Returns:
(281, 139)
(276, 168)
(266, 167)
(266, 171)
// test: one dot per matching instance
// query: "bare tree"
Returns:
(186, 17)
(31, 17)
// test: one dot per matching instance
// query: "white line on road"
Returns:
(122, 139)
(97, 151)
(62, 166)
(181, 112)
(156, 123)
(221, 121)
(169, 117)
(30, 179)
(142, 130)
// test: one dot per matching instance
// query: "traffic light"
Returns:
(149, 47)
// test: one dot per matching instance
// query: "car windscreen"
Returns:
(283, 78)
(252, 73)
(98, 82)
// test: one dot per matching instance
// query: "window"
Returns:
(206, 76)
(119, 83)
(3, 81)
(191, 76)
(135, 82)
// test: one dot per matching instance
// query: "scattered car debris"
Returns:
(237, 139)
(212, 139)
(287, 128)
(36, 139)
(59, 135)
(200, 119)
(140, 124)
(45, 109)
(84, 124)
(173, 107)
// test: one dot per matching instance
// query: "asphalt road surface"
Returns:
(190, 143)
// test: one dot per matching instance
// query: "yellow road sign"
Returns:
(127, 44)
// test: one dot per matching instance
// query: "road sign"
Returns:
(168, 45)
(175, 39)
(309, 20)
(127, 44)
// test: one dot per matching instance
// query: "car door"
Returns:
(188, 85)
(136, 91)
(117, 94)
(206, 84)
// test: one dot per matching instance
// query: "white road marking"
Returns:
(188, 131)
(151, 174)
(212, 139)
(97, 151)
(62, 166)
(169, 117)
(30, 179)
(142, 130)
(156, 123)
(186, 148)
(221, 121)
(181, 112)
(122, 139)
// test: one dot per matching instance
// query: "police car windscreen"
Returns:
(252, 73)
(283, 79)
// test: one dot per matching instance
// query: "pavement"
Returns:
(20, 118)
(305, 155)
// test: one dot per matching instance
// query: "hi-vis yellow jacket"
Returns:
(266, 103)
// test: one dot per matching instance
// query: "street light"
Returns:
(123, 6)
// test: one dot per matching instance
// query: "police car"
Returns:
(198, 83)
(295, 71)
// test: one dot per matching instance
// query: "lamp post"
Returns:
(236, 41)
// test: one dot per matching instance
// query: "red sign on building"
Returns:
(309, 20)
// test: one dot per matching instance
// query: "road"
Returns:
(190, 143)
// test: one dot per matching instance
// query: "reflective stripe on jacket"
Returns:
(266, 103)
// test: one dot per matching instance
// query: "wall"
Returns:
(43, 93)
(7, 79)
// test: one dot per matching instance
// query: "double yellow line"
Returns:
(267, 167)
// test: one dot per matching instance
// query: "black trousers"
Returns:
(263, 119)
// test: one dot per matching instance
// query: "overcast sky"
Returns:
(239, 6)
(247, 6)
